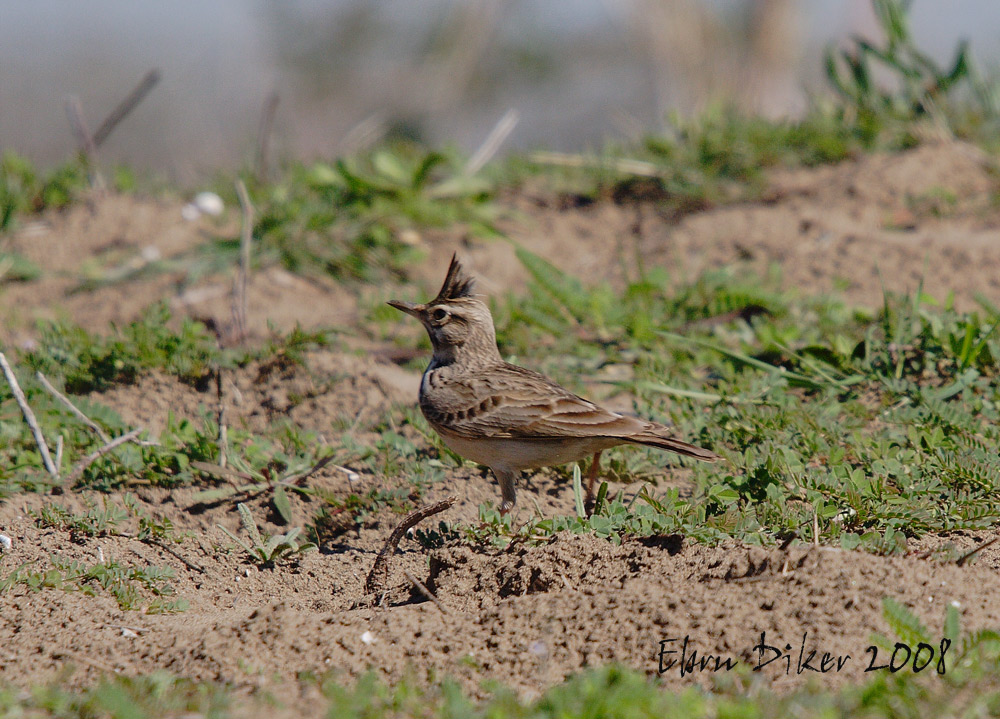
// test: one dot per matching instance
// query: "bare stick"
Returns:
(84, 659)
(82, 465)
(363, 135)
(170, 550)
(29, 416)
(77, 121)
(239, 308)
(972, 552)
(379, 574)
(96, 428)
(627, 167)
(493, 141)
(59, 452)
(264, 135)
(223, 431)
(293, 478)
(425, 591)
(126, 106)
(189, 563)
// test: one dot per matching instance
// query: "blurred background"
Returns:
(333, 76)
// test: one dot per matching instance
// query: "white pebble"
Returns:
(539, 649)
(209, 203)
(955, 603)
(190, 213)
(368, 638)
(6, 542)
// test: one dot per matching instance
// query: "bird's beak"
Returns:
(408, 307)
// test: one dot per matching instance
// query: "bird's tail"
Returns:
(659, 437)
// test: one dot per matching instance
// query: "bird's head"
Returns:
(458, 322)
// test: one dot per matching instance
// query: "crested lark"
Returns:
(508, 417)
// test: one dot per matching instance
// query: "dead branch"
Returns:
(91, 424)
(126, 106)
(379, 574)
(82, 465)
(29, 416)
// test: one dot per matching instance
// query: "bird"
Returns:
(506, 417)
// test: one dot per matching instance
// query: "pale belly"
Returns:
(517, 454)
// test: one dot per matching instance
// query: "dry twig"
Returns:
(223, 430)
(239, 308)
(975, 550)
(626, 166)
(426, 592)
(82, 465)
(493, 141)
(379, 574)
(126, 106)
(84, 659)
(85, 140)
(29, 416)
(91, 424)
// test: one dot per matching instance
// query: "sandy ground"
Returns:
(526, 616)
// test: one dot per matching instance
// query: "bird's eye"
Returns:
(439, 314)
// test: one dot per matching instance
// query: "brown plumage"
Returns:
(508, 417)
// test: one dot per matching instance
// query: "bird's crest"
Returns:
(457, 284)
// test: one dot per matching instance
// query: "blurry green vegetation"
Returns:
(23, 190)
(955, 99)
(362, 217)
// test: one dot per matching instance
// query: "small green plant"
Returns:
(128, 585)
(267, 551)
(359, 216)
(151, 529)
(88, 362)
(95, 522)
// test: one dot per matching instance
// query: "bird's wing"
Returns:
(511, 401)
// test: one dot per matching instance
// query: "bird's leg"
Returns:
(595, 468)
(508, 493)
